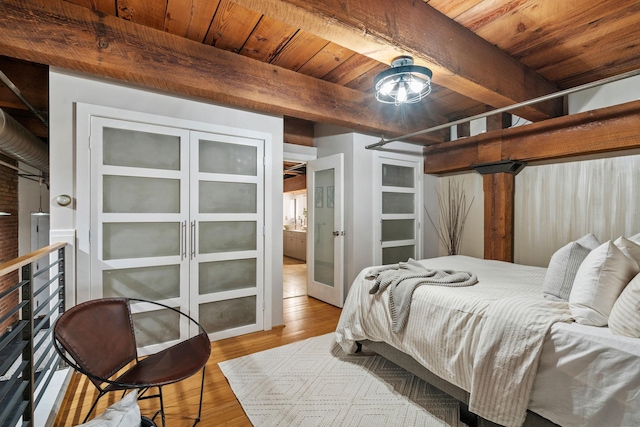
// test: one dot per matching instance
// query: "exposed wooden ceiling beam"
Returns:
(592, 132)
(299, 132)
(62, 34)
(383, 30)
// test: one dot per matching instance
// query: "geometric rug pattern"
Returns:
(314, 383)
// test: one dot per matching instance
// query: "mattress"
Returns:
(573, 385)
(588, 377)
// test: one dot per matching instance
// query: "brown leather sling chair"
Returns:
(99, 336)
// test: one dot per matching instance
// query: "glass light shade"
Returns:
(403, 83)
(387, 87)
(401, 96)
(416, 86)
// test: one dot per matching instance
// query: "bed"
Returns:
(567, 373)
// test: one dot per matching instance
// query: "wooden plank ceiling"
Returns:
(485, 54)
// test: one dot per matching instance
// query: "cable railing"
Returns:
(27, 357)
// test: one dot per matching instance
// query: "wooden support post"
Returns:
(498, 216)
(499, 191)
(499, 121)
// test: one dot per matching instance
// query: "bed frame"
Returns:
(411, 365)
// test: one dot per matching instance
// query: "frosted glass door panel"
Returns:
(140, 240)
(398, 203)
(150, 283)
(397, 254)
(156, 327)
(397, 208)
(125, 147)
(221, 315)
(225, 158)
(226, 236)
(324, 226)
(127, 194)
(398, 229)
(230, 275)
(227, 197)
(325, 229)
(397, 176)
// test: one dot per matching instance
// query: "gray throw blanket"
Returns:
(403, 278)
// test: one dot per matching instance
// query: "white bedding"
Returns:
(444, 340)
(588, 377)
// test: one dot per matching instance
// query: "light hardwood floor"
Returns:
(304, 317)
(294, 277)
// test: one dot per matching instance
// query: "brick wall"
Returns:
(8, 235)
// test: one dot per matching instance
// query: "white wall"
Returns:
(66, 89)
(615, 93)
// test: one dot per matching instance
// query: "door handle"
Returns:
(183, 243)
(193, 239)
(338, 233)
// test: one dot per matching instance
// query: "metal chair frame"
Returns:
(115, 385)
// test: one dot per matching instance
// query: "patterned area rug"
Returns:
(314, 383)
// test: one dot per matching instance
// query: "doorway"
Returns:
(294, 277)
(294, 263)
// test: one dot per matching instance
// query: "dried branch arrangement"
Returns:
(453, 211)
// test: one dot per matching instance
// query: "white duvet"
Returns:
(588, 377)
(446, 333)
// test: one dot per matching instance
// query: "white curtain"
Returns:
(558, 203)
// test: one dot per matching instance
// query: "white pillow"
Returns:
(629, 248)
(562, 271)
(635, 238)
(600, 280)
(564, 265)
(124, 413)
(625, 314)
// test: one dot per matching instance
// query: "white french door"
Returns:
(399, 209)
(177, 218)
(226, 233)
(325, 230)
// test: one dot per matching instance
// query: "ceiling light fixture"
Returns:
(403, 83)
(40, 213)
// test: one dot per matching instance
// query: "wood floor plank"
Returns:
(304, 317)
